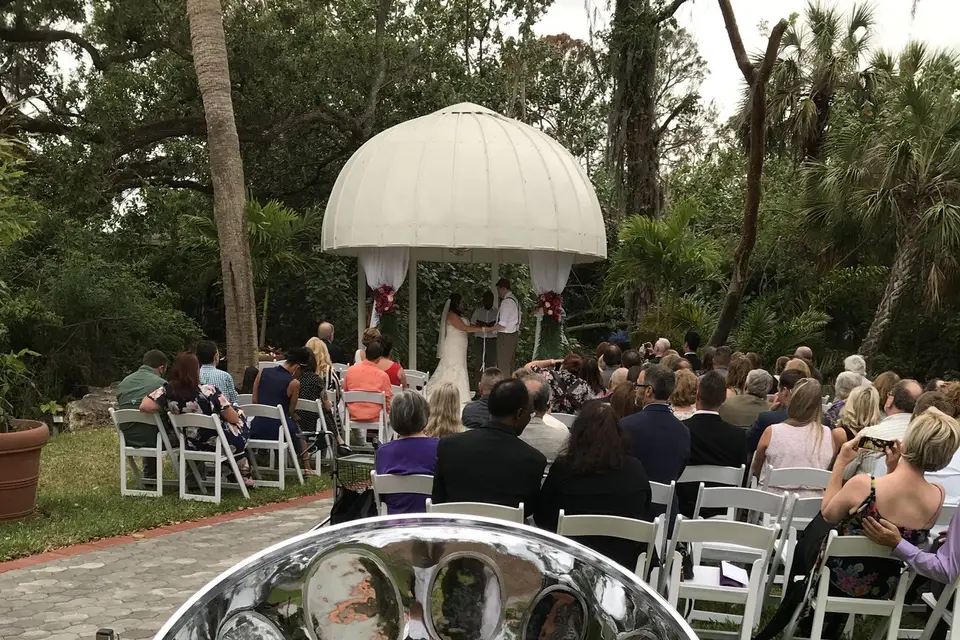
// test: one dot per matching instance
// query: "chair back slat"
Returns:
(740, 498)
(854, 547)
(194, 420)
(482, 509)
(244, 398)
(797, 477)
(566, 418)
(262, 411)
(310, 406)
(731, 476)
(611, 526)
(127, 416)
(740, 533)
(386, 484)
(662, 494)
(376, 397)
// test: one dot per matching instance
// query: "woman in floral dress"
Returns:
(569, 391)
(183, 394)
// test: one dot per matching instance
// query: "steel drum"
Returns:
(426, 576)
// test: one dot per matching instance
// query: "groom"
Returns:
(507, 328)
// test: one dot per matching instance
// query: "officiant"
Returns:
(485, 343)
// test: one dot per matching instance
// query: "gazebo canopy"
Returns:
(464, 184)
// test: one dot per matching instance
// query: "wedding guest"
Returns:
(721, 360)
(708, 355)
(568, 390)
(209, 356)
(611, 362)
(756, 360)
(476, 414)
(800, 441)
(393, 369)
(856, 364)
(691, 342)
(744, 409)
(130, 394)
(737, 375)
(590, 372)
(545, 439)
(934, 399)
(367, 376)
(684, 396)
(781, 365)
(183, 394)
(657, 438)
(596, 475)
(884, 384)
(712, 441)
(249, 377)
(490, 463)
(846, 382)
(337, 353)
(625, 399)
(671, 361)
(631, 358)
(485, 342)
(280, 385)
(413, 452)
(859, 412)
(796, 364)
(777, 412)
(370, 334)
(619, 376)
(444, 412)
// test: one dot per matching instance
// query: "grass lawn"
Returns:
(79, 498)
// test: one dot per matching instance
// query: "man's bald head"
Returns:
(325, 331)
(803, 352)
(661, 347)
(903, 397)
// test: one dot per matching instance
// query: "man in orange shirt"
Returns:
(367, 376)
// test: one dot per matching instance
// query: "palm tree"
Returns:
(894, 167)
(818, 57)
(226, 172)
(666, 253)
(277, 239)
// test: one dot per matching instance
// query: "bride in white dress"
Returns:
(452, 350)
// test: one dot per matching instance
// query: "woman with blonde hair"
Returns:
(737, 375)
(861, 410)
(799, 365)
(444, 412)
(683, 400)
(800, 441)
(324, 378)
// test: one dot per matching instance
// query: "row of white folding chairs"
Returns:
(181, 457)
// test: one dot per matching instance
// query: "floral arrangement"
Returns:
(383, 300)
(550, 305)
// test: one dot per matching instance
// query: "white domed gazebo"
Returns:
(463, 184)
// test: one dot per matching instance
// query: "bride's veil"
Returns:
(443, 327)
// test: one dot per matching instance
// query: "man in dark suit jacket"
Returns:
(491, 463)
(337, 354)
(712, 441)
(657, 438)
(691, 342)
(788, 380)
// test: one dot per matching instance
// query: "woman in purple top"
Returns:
(412, 453)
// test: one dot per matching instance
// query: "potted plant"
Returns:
(20, 444)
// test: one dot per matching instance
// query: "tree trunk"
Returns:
(263, 320)
(902, 275)
(226, 173)
(757, 80)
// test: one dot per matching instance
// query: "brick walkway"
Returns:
(133, 587)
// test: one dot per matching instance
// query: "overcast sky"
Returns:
(936, 22)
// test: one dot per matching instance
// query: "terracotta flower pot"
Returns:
(20, 468)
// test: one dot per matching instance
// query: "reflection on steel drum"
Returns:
(248, 625)
(348, 594)
(558, 614)
(466, 599)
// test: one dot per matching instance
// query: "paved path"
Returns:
(134, 587)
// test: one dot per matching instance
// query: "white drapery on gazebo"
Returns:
(463, 184)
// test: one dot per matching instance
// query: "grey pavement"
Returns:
(134, 587)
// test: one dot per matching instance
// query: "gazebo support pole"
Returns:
(361, 303)
(412, 317)
(494, 276)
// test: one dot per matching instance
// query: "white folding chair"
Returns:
(853, 547)
(729, 476)
(387, 484)
(162, 447)
(790, 477)
(244, 399)
(705, 584)
(394, 390)
(482, 509)
(940, 612)
(380, 424)
(662, 495)
(802, 511)
(340, 369)
(566, 418)
(616, 527)
(281, 447)
(416, 380)
(323, 432)
(220, 454)
(266, 364)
